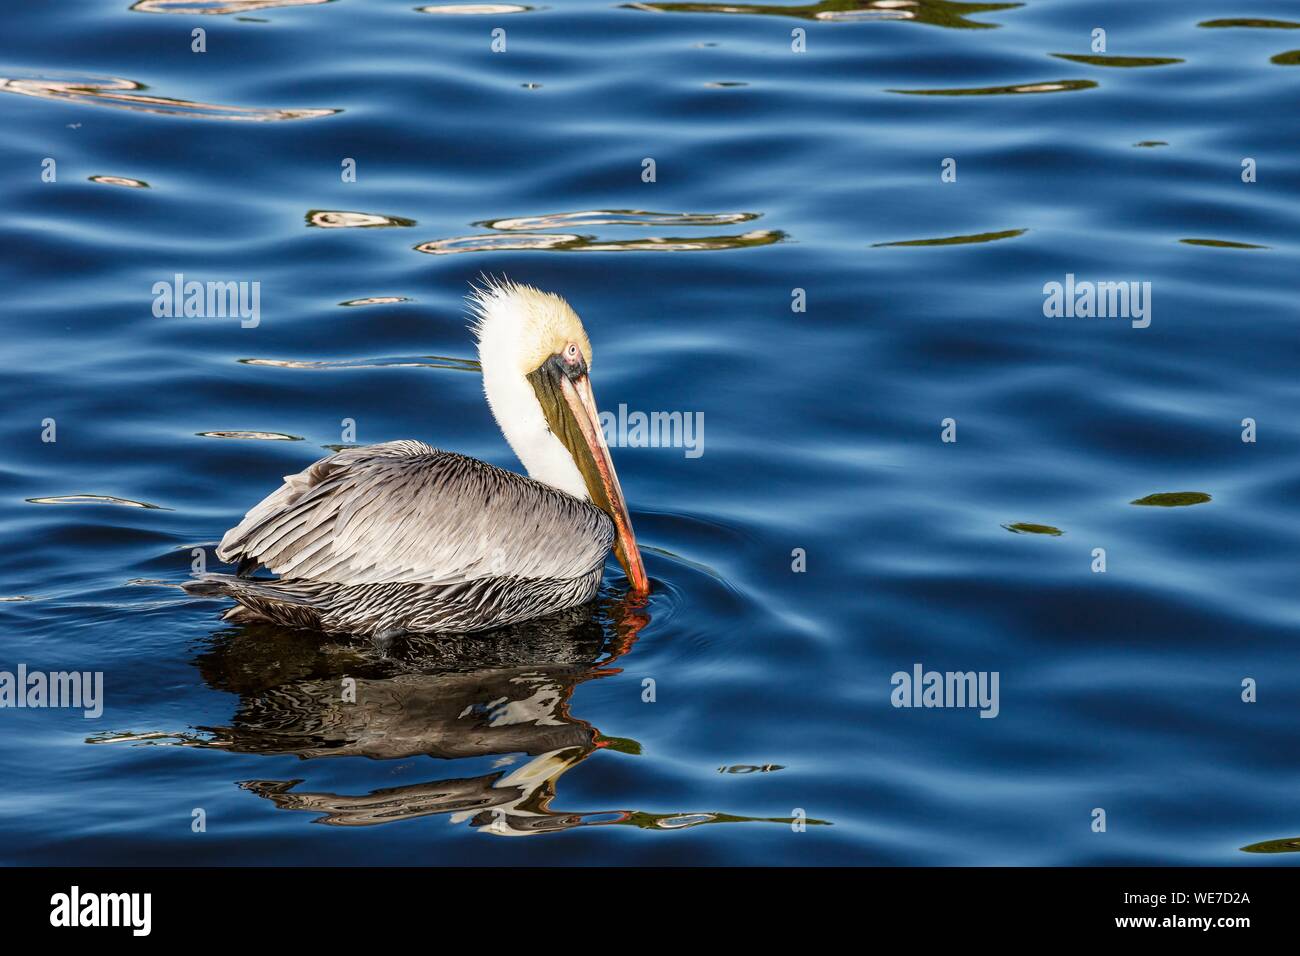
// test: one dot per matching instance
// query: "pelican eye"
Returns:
(571, 361)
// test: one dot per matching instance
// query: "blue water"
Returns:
(1120, 691)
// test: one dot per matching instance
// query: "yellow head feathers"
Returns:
(523, 325)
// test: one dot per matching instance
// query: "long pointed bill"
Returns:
(577, 394)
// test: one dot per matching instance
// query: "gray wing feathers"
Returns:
(403, 512)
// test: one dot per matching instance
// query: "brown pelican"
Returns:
(403, 537)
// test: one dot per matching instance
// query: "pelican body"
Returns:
(401, 536)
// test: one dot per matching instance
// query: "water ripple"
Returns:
(376, 300)
(472, 9)
(426, 361)
(341, 219)
(577, 243)
(617, 217)
(110, 91)
(255, 436)
(94, 500)
(938, 13)
(198, 7)
(1051, 86)
(119, 181)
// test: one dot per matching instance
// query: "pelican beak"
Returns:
(563, 391)
(582, 404)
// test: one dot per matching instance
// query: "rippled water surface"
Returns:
(774, 171)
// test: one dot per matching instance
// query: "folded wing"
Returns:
(403, 512)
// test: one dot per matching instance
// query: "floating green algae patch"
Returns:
(1221, 244)
(955, 240)
(1023, 527)
(1291, 845)
(1252, 22)
(1123, 61)
(1173, 499)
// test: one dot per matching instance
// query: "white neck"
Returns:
(502, 330)
(519, 415)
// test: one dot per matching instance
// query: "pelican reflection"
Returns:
(503, 694)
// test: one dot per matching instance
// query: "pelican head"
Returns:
(536, 361)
